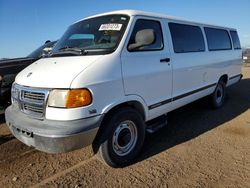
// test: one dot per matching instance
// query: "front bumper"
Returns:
(52, 136)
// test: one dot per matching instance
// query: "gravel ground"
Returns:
(200, 147)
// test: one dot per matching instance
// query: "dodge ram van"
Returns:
(113, 76)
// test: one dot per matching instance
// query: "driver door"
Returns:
(147, 71)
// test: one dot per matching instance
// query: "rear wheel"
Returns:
(218, 96)
(122, 138)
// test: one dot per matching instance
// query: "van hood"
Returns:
(56, 72)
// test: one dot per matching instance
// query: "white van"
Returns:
(111, 74)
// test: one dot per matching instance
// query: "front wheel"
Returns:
(122, 138)
(218, 96)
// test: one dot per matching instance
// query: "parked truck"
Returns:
(10, 67)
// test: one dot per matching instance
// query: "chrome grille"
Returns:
(33, 96)
(31, 101)
(31, 108)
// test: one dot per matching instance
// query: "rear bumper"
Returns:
(52, 136)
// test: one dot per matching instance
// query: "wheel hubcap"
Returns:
(124, 138)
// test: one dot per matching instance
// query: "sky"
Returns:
(27, 24)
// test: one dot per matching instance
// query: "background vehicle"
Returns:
(10, 67)
(246, 56)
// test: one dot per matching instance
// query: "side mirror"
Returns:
(143, 38)
(46, 51)
(47, 41)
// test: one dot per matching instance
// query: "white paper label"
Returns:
(110, 27)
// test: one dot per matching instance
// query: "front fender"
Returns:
(127, 98)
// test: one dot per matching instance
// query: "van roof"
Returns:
(156, 15)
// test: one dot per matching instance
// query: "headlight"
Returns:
(70, 98)
(14, 91)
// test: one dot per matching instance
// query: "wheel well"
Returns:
(224, 78)
(132, 104)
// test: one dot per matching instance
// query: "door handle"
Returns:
(165, 60)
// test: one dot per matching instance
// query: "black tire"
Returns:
(218, 96)
(108, 147)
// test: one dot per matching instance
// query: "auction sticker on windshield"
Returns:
(110, 27)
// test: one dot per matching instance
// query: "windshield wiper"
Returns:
(75, 49)
(68, 51)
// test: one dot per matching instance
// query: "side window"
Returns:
(186, 38)
(155, 27)
(236, 40)
(217, 39)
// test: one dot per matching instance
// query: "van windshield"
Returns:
(99, 35)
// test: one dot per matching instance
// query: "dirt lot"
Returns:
(200, 147)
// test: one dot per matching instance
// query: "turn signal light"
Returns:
(78, 98)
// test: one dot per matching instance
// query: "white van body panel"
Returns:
(201, 70)
(104, 79)
(57, 72)
(146, 76)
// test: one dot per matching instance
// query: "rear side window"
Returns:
(236, 40)
(186, 38)
(148, 24)
(217, 39)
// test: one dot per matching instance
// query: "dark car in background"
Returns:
(9, 68)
